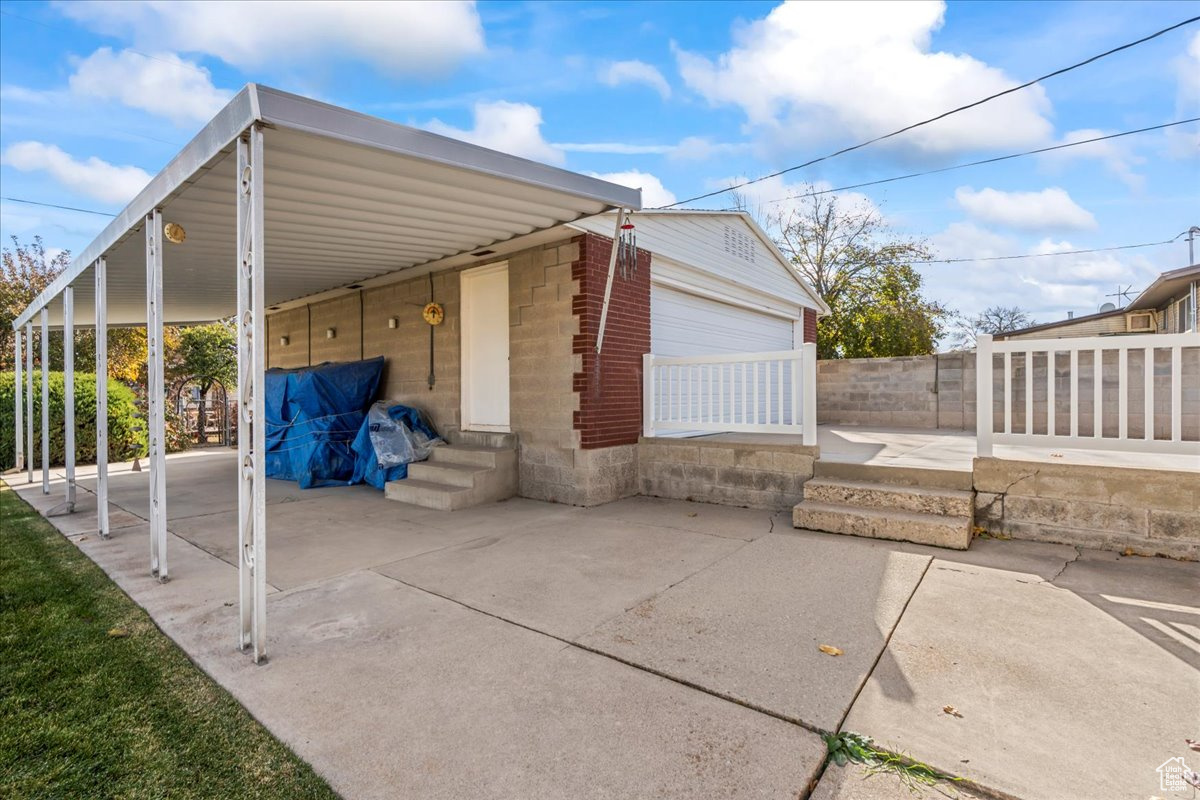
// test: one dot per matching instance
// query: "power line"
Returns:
(52, 205)
(975, 163)
(1042, 255)
(943, 115)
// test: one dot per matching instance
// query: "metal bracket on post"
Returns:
(45, 400)
(252, 509)
(101, 398)
(154, 395)
(29, 399)
(19, 403)
(69, 393)
(612, 264)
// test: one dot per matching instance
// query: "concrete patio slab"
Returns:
(735, 523)
(750, 628)
(1059, 698)
(564, 580)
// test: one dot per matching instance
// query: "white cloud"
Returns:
(654, 194)
(513, 128)
(621, 72)
(1049, 209)
(1184, 141)
(831, 69)
(615, 148)
(699, 148)
(1116, 155)
(93, 177)
(165, 84)
(774, 198)
(415, 38)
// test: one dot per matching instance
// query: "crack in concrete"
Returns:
(1068, 562)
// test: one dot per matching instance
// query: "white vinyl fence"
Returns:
(1134, 393)
(773, 392)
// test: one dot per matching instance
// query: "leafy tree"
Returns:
(863, 271)
(27, 270)
(993, 320)
(880, 313)
(207, 354)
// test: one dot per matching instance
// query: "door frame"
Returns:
(465, 348)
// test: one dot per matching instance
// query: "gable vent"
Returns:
(739, 244)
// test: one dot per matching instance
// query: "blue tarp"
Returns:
(366, 466)
(313, 416)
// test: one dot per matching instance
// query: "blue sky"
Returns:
(677, 98)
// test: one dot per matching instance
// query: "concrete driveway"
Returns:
(655, 648)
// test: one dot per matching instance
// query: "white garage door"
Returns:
(686, 325)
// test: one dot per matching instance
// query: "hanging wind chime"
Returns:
(627, 250)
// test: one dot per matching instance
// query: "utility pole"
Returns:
(1191, 234)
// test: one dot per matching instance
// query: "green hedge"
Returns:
(126, 427)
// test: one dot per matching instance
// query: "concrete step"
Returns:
(449, 473)
(427, 494)
(458, 476)
(959, 480)
(884, 523)
(472, 455)
(499, 441)
(944, 502)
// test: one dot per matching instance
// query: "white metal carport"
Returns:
(281, 197)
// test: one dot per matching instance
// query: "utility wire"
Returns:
(1041, 255)
(53, 205)
(975, 163)
(943, 115)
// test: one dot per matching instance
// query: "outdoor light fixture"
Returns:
(283, 341)
(174, 233)
(330, 333)
(393, 322)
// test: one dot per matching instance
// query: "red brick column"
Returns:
(810, 325)
(610, 386)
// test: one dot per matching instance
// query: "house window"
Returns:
(1183, 315)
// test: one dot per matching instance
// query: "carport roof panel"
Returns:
(347, 197)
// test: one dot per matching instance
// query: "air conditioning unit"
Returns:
(1140, 322)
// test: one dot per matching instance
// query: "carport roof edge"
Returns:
(283, 110)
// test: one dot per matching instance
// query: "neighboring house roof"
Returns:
(1063, 323)
(727, 244)
(1165, 287)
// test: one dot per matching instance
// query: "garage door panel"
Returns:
(688, 325)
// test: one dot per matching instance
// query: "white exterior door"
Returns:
(485, 349)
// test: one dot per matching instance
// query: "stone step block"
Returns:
(881, 523)
(449, 473)
(428, 494)
(943, 502)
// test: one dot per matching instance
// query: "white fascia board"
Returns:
(200, 153)
(294, 112)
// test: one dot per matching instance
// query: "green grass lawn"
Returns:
(88, 714)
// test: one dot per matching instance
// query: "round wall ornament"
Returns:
(433, 313)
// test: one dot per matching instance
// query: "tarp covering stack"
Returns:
(313, 416)
(391, 438)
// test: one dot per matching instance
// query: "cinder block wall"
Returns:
(1152, 512)
(725, 471)
(569, 453)
(938, 391)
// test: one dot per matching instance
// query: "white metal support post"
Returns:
(45, 400)
(809, 409)
(252, 506)
(648, 391)
(983, 395)
(69, 392)
(19, 403)
(154, 395)
(101, 398)
(29, 399)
